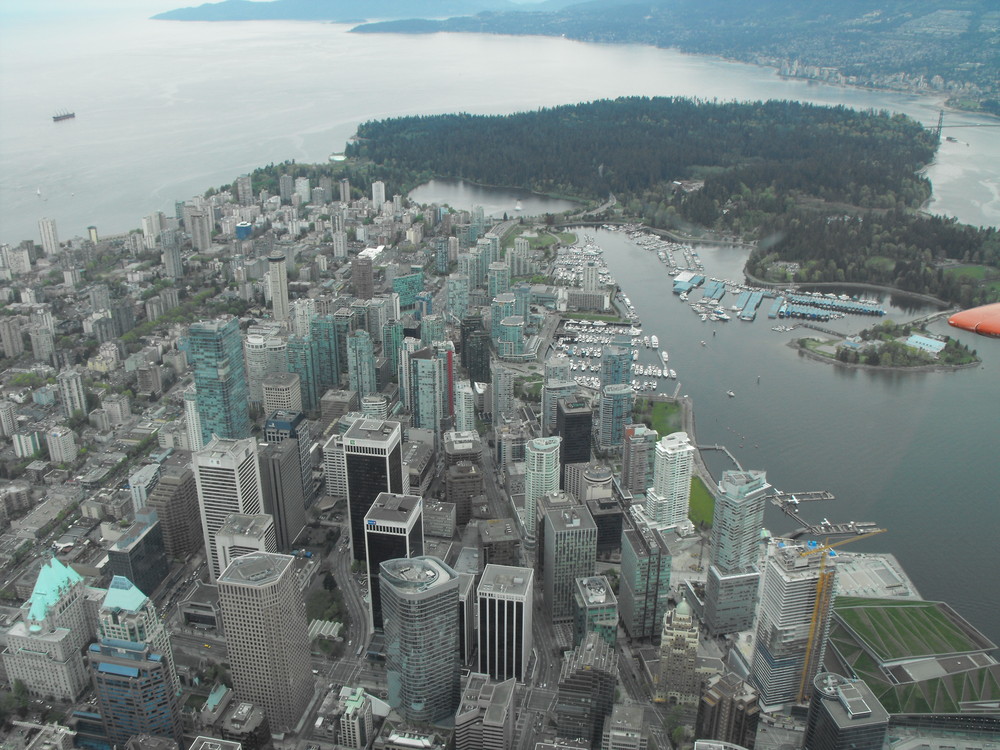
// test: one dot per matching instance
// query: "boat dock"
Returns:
(821, 329)
(851, 528)
(725, 450)
(776, 308)
(749, 311)
(848, 306)
(714, 290)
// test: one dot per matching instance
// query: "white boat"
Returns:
(664, 356)
(673, 374)
(654, 342)
(517, 206)
(730, 394)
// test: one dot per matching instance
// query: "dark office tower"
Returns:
(131, 669)
(215, 350)
(586, 690)
(504, 597)
(844, 715)
(728, 711)
(373, 454)
(281, 481)
(363, 277)
(420, 602)
(284, 425)
(394, 528)
(139, 553)
(645, 580)
(574, 423)
(469, 324)
(479, 357)
(343, 322)
(175, 500)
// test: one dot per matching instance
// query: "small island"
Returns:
(892, 345)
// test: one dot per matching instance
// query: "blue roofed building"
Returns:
(132, 668)
(925, 344)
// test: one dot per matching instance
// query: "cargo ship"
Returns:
(63, 116)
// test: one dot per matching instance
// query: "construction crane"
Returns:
(824, 591)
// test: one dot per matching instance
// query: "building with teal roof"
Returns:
(44, 646)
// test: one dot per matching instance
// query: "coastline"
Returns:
(794, 344)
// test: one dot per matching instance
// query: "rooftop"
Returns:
(389, 506)
(53, 579)
(123, 594)
(255, 569)
(506, 579)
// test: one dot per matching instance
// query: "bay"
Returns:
(166, 110)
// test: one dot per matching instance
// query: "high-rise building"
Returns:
(228, 479)
(267, 636)
(733, 576)
(574, 423)
(616, 366)
(394, 529)
(242, 534)
(486, 714)
(199, 225)
(216, 356)
(625, 728)
(11, 340)
(586, 690)
(465, 407)
(458, 296)
(61, 442)
(50, 237)
(361, 363)
(244, 190)
(541, 477)
(173, 264)
(72, 396)
(420, 606)
(44, 646)
(303, 190)
(286, 186)
(345, 190)
(553, 390)
(139, 554)
(793, 620)
(595, 610)
(283, 494)
(175, 501)
(615, 413)
(363, 277)
(668, 499)
(281, 391)
(678, 682)
(378, 195)
(373, 456)
(645, 580)
(570, 553)
(192, 420)
(728, 711)
(637, 458)
(357, 723)
(844, 715)
(463, 483)
(504, 598)
(132, 668)
(503, 392)
(302, 358)
(426, 386)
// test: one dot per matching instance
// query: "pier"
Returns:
(724, 449)
(821, 329)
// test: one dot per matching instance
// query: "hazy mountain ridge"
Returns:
(330, 10)
(950, 46)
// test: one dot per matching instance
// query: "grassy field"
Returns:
(968, 272)
(702, 504)
(541, 238)
(895, 631)
(666, 417)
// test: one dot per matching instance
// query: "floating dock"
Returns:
(849, 306)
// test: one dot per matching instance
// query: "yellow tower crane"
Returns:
(821, 606)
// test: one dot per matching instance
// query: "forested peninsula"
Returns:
(828, 193)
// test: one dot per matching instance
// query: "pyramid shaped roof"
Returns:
(123, 594)
(53, 579)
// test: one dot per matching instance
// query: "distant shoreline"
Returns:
(794, 344)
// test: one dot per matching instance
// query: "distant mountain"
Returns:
(333, 10)
(945, 46)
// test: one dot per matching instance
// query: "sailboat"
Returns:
(517, 206)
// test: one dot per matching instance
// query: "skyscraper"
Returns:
(50, 237)
(301, 355)
(282, 391)
(426, 388)
(570, 553)
(844, 715)
(615, 413)
(363, 277)
(361, 363)
(465, 407)
(637, 459)
(373, 455)
(678, 682)
(228, 481)
(733, 577)
(645, 580)
(132, 668)
(267, 636)
(486, 715)
(420, 606)
(283, 495)
(216, 356)
(175, 500)
(616, 366)
(503, 392)
(278, 284)
(394, 529)
(728, 711)
(192, 420)
(504, 598)
(586, 690)
(793, 620)
(378, 195)
(668, 499)
(574, 424)
(72, 396)
(541, 476)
